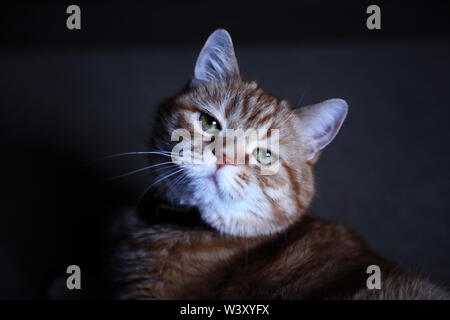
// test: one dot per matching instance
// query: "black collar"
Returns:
(155, 210)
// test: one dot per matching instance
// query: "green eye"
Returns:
(209, 123)
(264, 156)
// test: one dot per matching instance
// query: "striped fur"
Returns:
(262, 243)
(240, 201)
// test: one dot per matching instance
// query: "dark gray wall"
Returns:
(62, 106)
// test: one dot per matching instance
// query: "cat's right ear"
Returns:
(319, 124)
(216, 61)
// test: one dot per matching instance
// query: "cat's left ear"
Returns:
(319, 124)
(216, 61)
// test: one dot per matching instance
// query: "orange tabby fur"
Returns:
(261, 243)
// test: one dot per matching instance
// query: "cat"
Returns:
(254, 238)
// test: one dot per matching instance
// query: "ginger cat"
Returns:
(255, 239)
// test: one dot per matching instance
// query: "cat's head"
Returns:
(238, 198)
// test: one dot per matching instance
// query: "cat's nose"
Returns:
(225, 160)
(221, 162)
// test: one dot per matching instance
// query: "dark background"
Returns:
(70, 97)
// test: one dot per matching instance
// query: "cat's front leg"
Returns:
(169, 261)
(149, 264)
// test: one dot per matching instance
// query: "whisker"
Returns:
(156, 182)
(161, 169)
(117, 155)
(165, 177)
(181, 178)
(300, 100)
(138, 170)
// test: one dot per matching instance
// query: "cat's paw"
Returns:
(142, 264)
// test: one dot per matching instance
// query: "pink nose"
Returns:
(224, 161)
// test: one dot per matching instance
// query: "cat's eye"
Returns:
(264, 156)
(209, 123)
